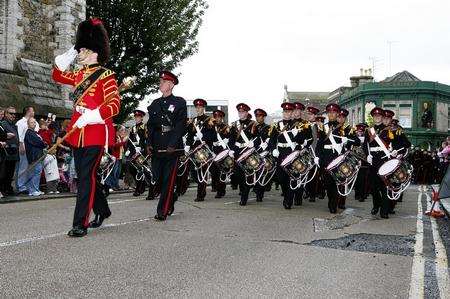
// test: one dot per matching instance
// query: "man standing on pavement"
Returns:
(166, 126)
(11, 149)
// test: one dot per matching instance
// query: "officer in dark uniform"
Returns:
(243, 139)
(361, 184)
(328, 150)
(310, 116)
(137, 143)
(197, 134)
(220, 141)
(262, 130)
(166, 127)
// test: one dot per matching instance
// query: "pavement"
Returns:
(217, 248)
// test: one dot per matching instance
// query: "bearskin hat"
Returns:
(92, 35)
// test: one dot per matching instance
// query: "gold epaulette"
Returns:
(390, 134)
(399, 131)
(106, 74)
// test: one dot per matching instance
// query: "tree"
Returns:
(147, 36)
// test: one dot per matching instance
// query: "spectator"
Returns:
(45, 132)
(34, 146)
(2, 114)
(3, 138)
(11, 151)
(22, 127)
(51, 173)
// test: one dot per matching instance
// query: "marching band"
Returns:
(305, 153)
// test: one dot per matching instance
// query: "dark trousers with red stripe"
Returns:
(90, 194)
(165, 173)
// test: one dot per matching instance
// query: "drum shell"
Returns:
(343, 172)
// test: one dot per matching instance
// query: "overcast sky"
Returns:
(250, 48)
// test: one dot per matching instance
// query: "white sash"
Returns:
(380, 143)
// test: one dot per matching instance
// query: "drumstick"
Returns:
(174, 150)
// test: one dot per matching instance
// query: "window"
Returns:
(403, 111)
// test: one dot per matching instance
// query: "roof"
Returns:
(404, 76)
(312, 95)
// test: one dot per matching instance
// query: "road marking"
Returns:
(441, 262)
(416, 287)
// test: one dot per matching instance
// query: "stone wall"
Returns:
(32, 33)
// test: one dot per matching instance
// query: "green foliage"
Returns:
(146, 37)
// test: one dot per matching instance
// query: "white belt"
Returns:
(328, 146)
(286, 144)
(217, 143)
(240, 145)
(376, 149)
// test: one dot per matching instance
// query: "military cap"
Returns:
(388, 113)
(343, 112)
(299, 106)
(333, 107)
(312, 110)
(243, 106)
(200, 102)
(376, 111)
(287, 106)
(138, 112)
(260, 112)
(218, 113)
(168, 76)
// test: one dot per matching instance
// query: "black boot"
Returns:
(374, 210)
(160, 218)
(243, 202)
(77, 232)
(98, 221)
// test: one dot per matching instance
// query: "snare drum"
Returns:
(201, 156)
(396, 174)
(224, 162)
(250, 162)
(298, 164)
(344, 168)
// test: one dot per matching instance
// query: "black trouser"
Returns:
(201, 186)
(182, 180)
(7, 176)
(332, 194)
(379, 195)
(311, 187)
(90, 194)
(244, 188)
(259, 191)
(165, 173)
(361, 183)
(140, 184)
(215, 180)
(298, 195)
(284, 180)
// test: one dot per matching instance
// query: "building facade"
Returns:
(32, 33)
(318, 99)
(422, 107)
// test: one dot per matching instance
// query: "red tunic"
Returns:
(103, 95)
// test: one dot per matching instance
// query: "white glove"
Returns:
(231, 154)
(294, 131)
(394, 153)
(199, 136)
(89, 117)
(263, 146)
(369, 159)
(138, 149)
(305, 143)
(250, 144)
(187, 148)
(127, 153)
(344, 140)
(225, 140)
(275, 153)
(64, 60)
(316, 160)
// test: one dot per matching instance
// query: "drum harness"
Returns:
(224, 144)
(202, 176)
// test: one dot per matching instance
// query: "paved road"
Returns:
(218, 249)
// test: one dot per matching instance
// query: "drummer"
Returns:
(361, 185)
(263, 143)
(329, 148)
(313, 186)
(283, 149)
(197, 135)
(221, 139)
(243, 139)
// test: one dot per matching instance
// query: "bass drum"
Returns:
(268, 170)
(344, 170)
(250, 162)
(396, 175)
(106, 166)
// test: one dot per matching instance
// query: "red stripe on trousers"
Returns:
(92, 191)
(171, 183)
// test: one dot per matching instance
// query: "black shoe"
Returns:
(77, 232)
(333, 210)
(259, 199)
(391, 212)
(243, 202)
(172, 209)
(98, 221)
(342, 207)
(362, 199)
(213, 190)
(374, 211)
(150, 197)
(384, 216)
(199, 199)
(287, 207)
(218, 195)
(298, 202)
(160, 218)
(136, 193)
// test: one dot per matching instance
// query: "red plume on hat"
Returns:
(92, 35)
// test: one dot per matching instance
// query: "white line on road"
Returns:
(416, 287)
(441, 262)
